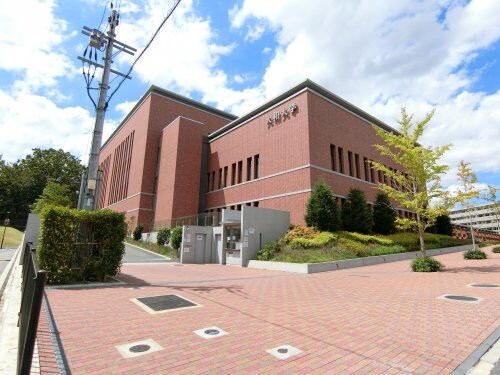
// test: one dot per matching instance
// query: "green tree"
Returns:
(417, 186)
(176, 238)
(321, 211)
(54, 194)
(163, 236)
(466, 192)
(443, 225)
(491, 198)
(22, 182)
(384, 216)
(356, 215)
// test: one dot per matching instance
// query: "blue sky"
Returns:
(235, 55)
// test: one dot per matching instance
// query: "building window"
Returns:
(213, 180)
(238, 207)
(341, 159)
(225, 176)
(249, 169)
(249, 203)
(220, 178)
(367, 167)
(208, 181)
(240, 172)
(380, 176)
(256, 166)
(356, 161)
(233, 173)
(372, 173)
(349, 160)
(333, 158)
(256, 204)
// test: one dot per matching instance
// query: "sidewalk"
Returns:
(369, 320)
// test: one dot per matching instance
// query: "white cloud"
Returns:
(382, 55)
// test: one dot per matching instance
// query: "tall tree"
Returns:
(321, 211)
(466, 192)
(384, 215)
(54, 194)
(22, 182)
(417, 186)
(356, 215)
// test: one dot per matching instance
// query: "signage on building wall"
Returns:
(282, 115)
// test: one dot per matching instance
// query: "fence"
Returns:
(208, 219)
(32, 287)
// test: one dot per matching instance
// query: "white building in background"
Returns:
(484, 217)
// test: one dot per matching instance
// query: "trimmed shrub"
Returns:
(352, 246)
(79, 245)
(496, 249)
(356, 215)
(321, 240)
(269, 251)
(163, 236)
(297, 231)
(366, 239)
(475, 254)
(176, 238)
(137, 234)
(426, 264)
(384, 216)
(385, 250)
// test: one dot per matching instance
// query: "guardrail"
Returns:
(32, 288)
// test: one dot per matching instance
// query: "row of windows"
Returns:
(236, 177)
(353, 163)
(236, 207)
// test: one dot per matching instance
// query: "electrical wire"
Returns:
(144, 50)
(102, 17)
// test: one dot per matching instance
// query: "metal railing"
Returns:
(208, 219)
(32, 288)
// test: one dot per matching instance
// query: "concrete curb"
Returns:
(4, 277)
(349, 263)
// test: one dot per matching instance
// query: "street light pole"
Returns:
(6, 222)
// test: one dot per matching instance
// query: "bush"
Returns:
(352, 246)
(496, 249)
(163, 236)
(78, 245)
(366, 239)
(176, 238)
(269, 251)
(475, 254)
(137, 234)
(356, 215)
(321, 240)
(426, 264)
(297, 231)
(321, 211)
(384, 216)
(384, 250)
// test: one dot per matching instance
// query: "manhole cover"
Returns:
(212, 332)
(166, 302)
(485, 285)
(139, 348)
(462, 298)
(282, 350)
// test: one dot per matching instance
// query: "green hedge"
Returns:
(78, 245)
(321, 240)
(367, 239)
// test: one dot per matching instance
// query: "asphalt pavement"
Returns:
(133, 254)
(5, 257)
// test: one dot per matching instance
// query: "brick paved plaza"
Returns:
(370, 320)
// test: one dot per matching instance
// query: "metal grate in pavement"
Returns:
(164, 303)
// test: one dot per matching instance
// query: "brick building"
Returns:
(175, 158)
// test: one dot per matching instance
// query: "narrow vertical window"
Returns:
(240, 172)
(256, 204)
(233, 173)
(220, 179)
(349, 160)
(341, 159)
(256, 166)
(367, 166)
(372, 173)
(333, 158)
(249, 169)
(356, 162)
(225, 176)
(208, 181)
(213, 180)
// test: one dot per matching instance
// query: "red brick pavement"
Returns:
(380, 319)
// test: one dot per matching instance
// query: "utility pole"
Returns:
(89, 188)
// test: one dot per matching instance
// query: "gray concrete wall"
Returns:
(190, 235)
(258, 227)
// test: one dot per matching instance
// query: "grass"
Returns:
(12, 237)
(155, 248)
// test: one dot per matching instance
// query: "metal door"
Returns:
(199, 249)
(218, 249)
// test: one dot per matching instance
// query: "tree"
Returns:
(22, 182)
(443, 225)
(54, 194)
(356, 215)
(176, 238)
(321, 211)
(466, 192)
(384, 216)
(417, 186)
(163, 236)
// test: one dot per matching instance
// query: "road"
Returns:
(136, 255)
(5, 257)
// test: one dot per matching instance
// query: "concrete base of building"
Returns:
(349, 263)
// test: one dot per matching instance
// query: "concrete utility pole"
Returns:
(89, 189)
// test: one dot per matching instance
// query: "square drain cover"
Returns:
(284, 351)
(210, 332)
(138, 348)
(168, 302)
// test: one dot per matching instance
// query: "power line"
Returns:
(145, 49)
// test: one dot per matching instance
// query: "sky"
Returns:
(237, 54)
